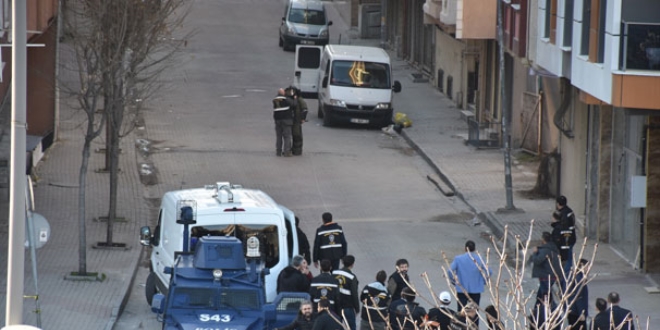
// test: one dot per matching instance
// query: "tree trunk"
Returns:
(82, 185)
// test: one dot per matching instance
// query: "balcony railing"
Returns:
(640, 46)
(448, 12)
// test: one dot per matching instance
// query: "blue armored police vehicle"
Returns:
(218, 284)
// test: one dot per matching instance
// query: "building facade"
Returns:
(581, 86)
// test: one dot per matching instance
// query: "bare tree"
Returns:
(120, 47)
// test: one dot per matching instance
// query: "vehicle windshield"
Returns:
(267, 234)
(306, 16)
(214, 298)
(360, 74)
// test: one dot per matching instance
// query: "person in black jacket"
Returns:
(375, 303)
(563, 231)
(291, 278)
(329, 242)
(443, 314)
(602, 319)
(399, 279)
(405, 313)
(348, 290)
(303, 243)
(546, 265)
(304, 321)
(327, 319)
(621, 318)
(325, 287)
(283, 116)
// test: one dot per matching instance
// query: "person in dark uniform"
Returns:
(405, 313)
(329, 242)
(303, 243)
(327, 319)
(291, 278)
(299, 117)
(563, 231)
(602, 319)
(399, 279)
(325, 287)
(283, 116)
(375, 303)
(621, 318)
(443, 314)
(348, 290)
(304, 321)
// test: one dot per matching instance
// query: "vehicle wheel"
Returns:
(150, 288)
(327, 122)
(281, 43)
(319, 112)
(285, 45)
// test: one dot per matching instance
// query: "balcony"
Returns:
(637, 81)
(475, 19)
(640, 47)
(432, 10)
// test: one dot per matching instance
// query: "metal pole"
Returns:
(383, 24)
(508, 184)
(16, 258)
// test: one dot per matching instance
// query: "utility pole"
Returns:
(508, 184)
(383, 24)
(16, 253)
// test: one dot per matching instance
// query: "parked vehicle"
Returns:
(220, 286)
(304, 23)
(221, 209)
(353, 83)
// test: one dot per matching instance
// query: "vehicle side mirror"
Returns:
(329, 23)
(324, 83)
(397, 86)
(145, 236)
(297, 74)
(158, 303)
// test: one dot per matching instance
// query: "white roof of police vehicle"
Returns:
(211, 200)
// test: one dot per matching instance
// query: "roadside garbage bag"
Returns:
(402, 119)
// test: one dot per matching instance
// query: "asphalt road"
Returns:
(212, 122)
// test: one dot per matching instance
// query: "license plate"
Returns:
(306, 42)
(359, 121)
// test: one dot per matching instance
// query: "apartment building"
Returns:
(41, 57)
(581, 86)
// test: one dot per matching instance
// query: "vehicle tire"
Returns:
(285, 45)
(319, 112)
(281, 43)
(150, 288)
(327, 122)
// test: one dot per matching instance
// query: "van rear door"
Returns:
(306, 69)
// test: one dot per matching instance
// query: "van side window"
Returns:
(156, 238)
(289, 238)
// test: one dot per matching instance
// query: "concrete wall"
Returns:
(573, 161)
(448, 57)
(604, 174)
(652, 222)
(518, 124)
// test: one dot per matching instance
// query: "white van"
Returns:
(221, 209)
(354, 83)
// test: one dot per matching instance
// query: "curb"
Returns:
(125, 292)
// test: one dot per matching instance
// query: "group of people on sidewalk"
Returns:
(552, 263)
(289, 113)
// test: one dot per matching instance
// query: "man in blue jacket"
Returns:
(469, 273)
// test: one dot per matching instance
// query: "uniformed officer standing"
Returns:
(329, 242)
(325, 287)
(283, 116)
(348, 290)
